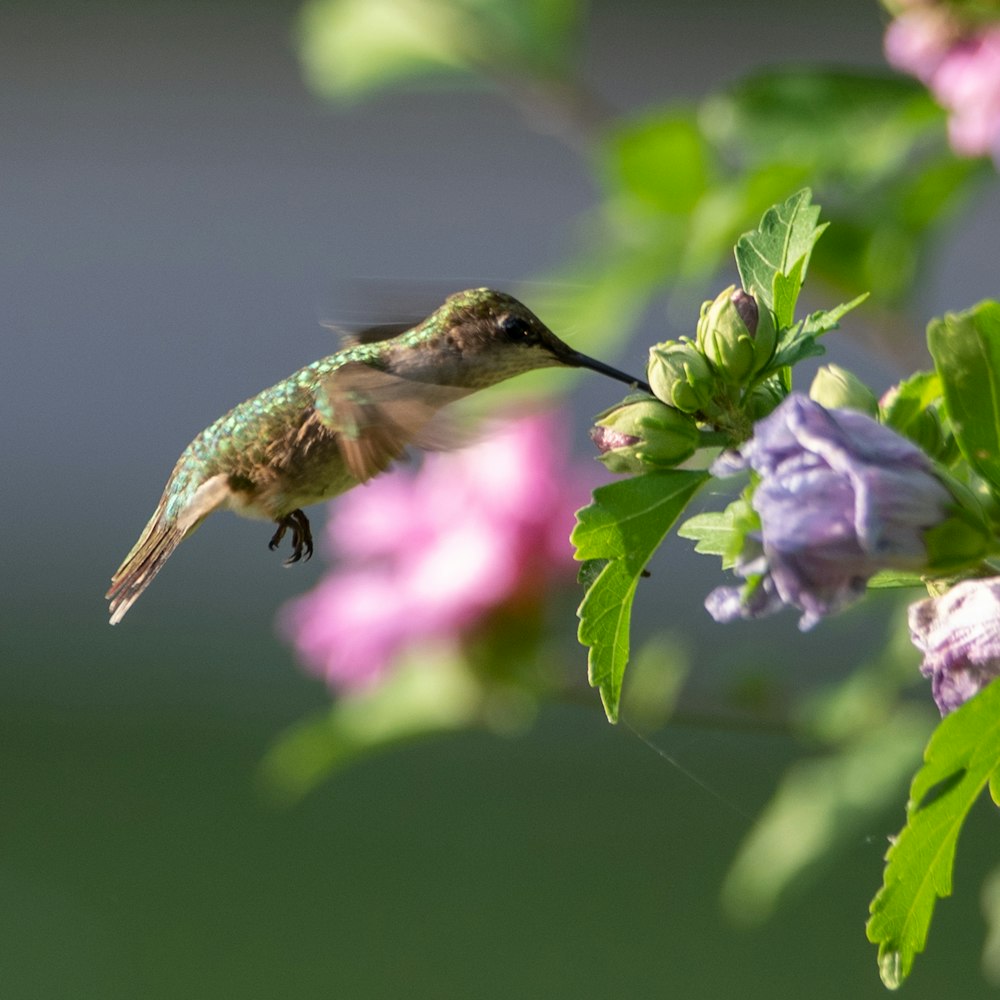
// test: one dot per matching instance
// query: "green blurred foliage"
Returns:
(863, 745)
(351, 47)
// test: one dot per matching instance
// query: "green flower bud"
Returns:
(679, 375)
(736, 335)
(641, 434)
(837, 388)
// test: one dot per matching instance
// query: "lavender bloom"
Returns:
(726, 604)
(429, 556)
(840, 498)
(959, 64)
(959, 635)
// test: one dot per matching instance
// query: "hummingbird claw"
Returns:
(302, 543)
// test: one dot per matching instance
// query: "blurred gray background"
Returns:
(177, 214)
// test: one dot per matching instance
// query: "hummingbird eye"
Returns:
(517, 330)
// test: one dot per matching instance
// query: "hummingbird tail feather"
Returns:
(158, 540)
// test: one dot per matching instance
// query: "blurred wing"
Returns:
(377, 416)
(352, 335)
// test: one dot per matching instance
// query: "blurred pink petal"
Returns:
(341, 630)
(968, 83)
(917, 41)
(373, 521)
(428, 554)
(960, 65)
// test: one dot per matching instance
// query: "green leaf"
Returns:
(712, 531)
(914, 409)
(793, 349)
(966, 351)
(962, 756)
(785, 293)
(721, 533)
(825, 320)
(625, 524)
(910, 398)
(773, 258)
(800, 341)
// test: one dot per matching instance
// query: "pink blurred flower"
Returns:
(960, 65)
(968, 83)
(426, 556)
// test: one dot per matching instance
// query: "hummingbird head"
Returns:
(481, 337)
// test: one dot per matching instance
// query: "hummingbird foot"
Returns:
(302, 539)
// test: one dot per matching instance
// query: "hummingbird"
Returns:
(340, 421)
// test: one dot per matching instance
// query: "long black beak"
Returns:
(578, 360)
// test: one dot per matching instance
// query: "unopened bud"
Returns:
(607, 439)
(679, 375)
(736, 334)
(838, 389)
(643, 434)
(746, 306)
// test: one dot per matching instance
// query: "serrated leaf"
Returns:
(825, 320)
(966, 351)
(962, 756)
(800, 341)
(712, 531)
(721, 533)
(780, 245)
(625, 524)
(797, 348)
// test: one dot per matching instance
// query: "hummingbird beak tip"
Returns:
(579, 360)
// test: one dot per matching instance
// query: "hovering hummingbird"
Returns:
(338, 422)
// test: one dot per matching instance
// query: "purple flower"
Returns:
(427, 556)
(960, 65)
(959, 635)
(840, 497)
